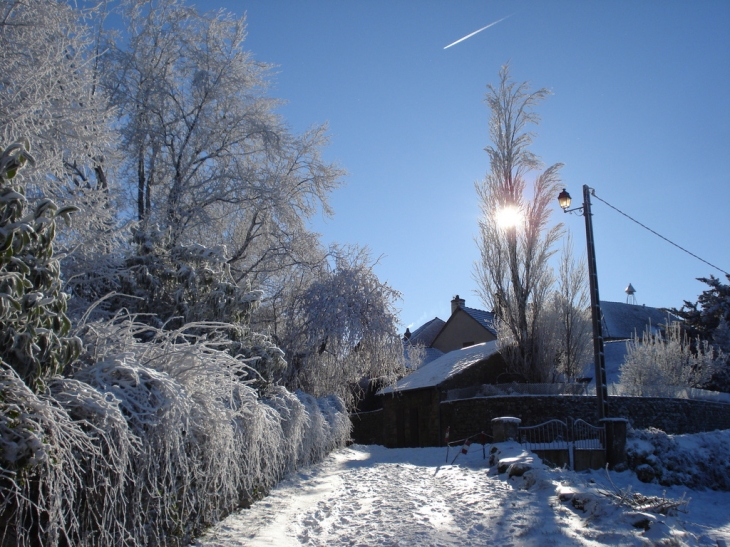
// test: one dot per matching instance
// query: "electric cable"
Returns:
(657, 234)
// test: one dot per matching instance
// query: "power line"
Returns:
(657, 234)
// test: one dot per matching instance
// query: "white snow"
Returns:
(377, 497)
(446, 366)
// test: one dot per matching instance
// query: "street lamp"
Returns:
(598, 355)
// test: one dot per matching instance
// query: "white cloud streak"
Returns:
(476, 32)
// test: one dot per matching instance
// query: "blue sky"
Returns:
(640, 111)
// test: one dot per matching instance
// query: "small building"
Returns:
(411, 413)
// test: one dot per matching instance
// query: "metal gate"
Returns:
(572, 443)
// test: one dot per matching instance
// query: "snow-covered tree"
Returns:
(708, 319)
(655, 362)
(341, 327)
(515, 240)
(209, 160)
(565, 324)
(49, 94)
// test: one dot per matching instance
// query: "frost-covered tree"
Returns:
(49, 94)
(708, 319)
(713, 305)
(655, 362)
(340, 327)
(513, 274)
(209, 160)
(565, 324)
(33, 323)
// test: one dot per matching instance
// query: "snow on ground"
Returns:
(377, 497)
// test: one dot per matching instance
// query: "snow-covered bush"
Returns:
(191, 402)
(64, 464)
(170, 286)
(33, 323)
(149, 441)
(654, 363)
(698, 461)
(181, 283)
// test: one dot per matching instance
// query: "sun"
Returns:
(508, 217)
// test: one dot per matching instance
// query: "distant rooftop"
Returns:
(425, 334)
(623, 321)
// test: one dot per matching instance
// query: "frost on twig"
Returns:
(652, 504)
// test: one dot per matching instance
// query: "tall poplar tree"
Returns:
(513, 273)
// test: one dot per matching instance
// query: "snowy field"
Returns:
(373, 496)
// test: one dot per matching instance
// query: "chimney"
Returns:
(457, 303)
(407, 335)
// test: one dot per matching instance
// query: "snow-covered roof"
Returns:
(484, 318)
(443, 368)
(623, 321)
(425, 334)
(614, 353)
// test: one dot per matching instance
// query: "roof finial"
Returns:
(630, 298)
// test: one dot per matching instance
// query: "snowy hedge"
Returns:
(148, 442)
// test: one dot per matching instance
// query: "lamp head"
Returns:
(564, 199)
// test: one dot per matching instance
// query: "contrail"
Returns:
(477, 32)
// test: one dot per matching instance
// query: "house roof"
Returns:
(623, 321)
(484, 318)
(614, 354)
(443, 368)
(425, 334)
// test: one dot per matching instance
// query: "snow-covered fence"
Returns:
(671, 392)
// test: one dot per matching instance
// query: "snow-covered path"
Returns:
(375, 497)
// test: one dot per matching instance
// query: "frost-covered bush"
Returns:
(181, 283)
(64, 464)
(33, 323)
(209, 442)
(699, 460)
(654, 363)
(149, 441)
(168, 286)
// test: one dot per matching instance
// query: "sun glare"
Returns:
(509, 217)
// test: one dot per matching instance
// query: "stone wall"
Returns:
(419, 418)
(674, 416)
